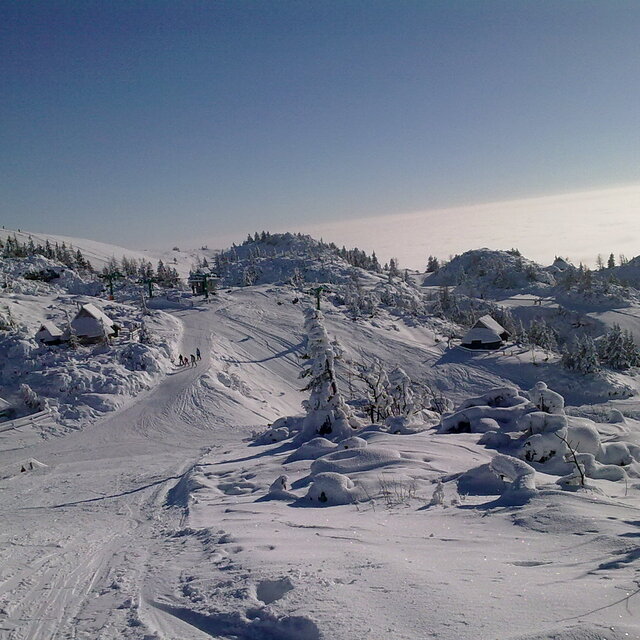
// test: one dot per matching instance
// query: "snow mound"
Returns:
(481, 481)
(501, 397)
(354, 442)
(331, 489)
(545, 399)
(348, 461)
(405, 425)
(520, 475)
(478, 419)
(312, 450)
(271, 436)
(279, 489)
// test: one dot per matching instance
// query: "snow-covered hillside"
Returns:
(209, 503)
(99, 253)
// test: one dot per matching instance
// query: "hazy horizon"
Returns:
(548, 226)
(147, 122)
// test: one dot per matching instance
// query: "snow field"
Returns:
(159, 521)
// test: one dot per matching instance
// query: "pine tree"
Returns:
(540, 334)
(631, 349)
(611, 262)
(327, 413)
(612, 350)
(589, 362)
(433, 265)
(581, 356)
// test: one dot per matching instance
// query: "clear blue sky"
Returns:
(140, 122)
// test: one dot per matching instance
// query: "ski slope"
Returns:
(152, 523)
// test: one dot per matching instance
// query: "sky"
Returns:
(151, 123)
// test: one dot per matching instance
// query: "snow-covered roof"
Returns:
(90, 321)
(485, 336)
(48, 329)
(487, 322)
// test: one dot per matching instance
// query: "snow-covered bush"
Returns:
(591, 468)
(377, 383)
(437, 499)
(401, 393)
(406, 425)
(545, 399)
(493, 439)
(140, 357)
(615, 453)
(500, 397)
(353, 443)
(481, 480)
(520, 475)
(474, 419)
(541, 422)
(279, 489)
(542, 447)
(331, 489)
(272, 435)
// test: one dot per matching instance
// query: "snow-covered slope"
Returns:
(485, 270)
(99, 253)
(168, 518)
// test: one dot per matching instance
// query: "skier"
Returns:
(185, 361)
(180, 360)
(193, 360)
(198, 356)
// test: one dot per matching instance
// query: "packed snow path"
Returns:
(148, 524)
(76, 537)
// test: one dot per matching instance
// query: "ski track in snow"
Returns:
(146, 525)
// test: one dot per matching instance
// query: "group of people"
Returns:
(184, 361)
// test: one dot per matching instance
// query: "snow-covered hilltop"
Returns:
(418, 454)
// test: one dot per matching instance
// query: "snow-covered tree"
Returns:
(377, 382)
(394, 271)
(145, 337)
(540, 334)
(617, 349)
(581, 356)
(433, 264)
(30, 397)
(401, 393)
(327, 413)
